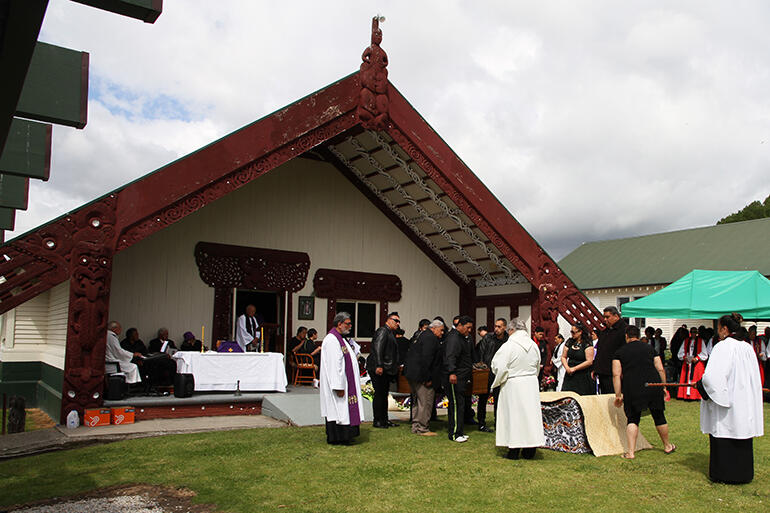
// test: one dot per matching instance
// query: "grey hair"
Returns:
(340, 317)
(162, 329)
(112, 325)
(517, 325)
(436, 324)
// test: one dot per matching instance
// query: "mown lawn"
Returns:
(293, 469)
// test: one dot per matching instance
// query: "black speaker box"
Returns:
(117, 388)
(184, 385)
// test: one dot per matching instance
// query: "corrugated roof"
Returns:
(665, 257)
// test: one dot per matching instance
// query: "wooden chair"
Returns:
(304, 372)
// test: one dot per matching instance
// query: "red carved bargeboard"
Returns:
(226, 267)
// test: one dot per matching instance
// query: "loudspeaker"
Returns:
(117, 388)
(184, 385)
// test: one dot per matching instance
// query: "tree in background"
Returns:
(754, 210)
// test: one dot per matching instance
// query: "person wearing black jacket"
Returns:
(382, 366)
(610, 340)
(423, 371)
(458, 366)
(485, 351)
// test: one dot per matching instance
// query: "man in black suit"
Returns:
(457, 375)
(382, 366)
(485, 351)
(423, 371)
(610, 340)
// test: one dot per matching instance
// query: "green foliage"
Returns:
(293, 469)
(754, 210)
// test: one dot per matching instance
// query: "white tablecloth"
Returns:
(264, 372)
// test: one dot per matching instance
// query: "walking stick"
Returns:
(661, 385)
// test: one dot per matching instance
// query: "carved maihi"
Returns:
(373, 98)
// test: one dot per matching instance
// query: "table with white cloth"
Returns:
(263, 372)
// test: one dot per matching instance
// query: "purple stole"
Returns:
(353, 413)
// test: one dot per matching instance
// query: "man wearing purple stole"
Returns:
(341, 401)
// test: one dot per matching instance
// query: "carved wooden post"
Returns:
(87, 331)
(90, 269)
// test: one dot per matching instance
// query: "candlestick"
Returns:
(203, 337)
(261, 340)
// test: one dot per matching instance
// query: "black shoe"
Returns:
(512, 454)
(381, 425)
(528, 453)
(471, 422)
(393, 424)
(483, 428)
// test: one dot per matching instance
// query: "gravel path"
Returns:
(124, 504)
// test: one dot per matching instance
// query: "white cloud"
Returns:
(587, 119)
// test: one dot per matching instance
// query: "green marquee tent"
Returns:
(707, 295)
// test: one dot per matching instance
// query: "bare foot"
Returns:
(628, 456)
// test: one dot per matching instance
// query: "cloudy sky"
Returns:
(588, 120)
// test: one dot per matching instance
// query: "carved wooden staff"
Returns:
(661, 385)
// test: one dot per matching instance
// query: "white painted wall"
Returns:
(37, 329)
(302, 206)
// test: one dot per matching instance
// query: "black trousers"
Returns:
(731, 460)
(455, 410)
(381, 386)
(605, 384)
(481, 407)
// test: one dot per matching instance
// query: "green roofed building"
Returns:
(613, 272)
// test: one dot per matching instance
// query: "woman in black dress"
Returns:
(634, 365)
(578, 357)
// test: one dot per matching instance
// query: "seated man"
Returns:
(156, 345)
(115, 353)
(189, 343)
(133, 344)
(156, 370)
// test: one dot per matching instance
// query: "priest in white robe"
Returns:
(339, 384)
(519, 418)
(115, 353)
(731, 408)
(557, 363)
(247, 329)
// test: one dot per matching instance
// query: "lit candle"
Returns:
(203, 338)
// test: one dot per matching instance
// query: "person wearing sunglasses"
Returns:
(382, 366)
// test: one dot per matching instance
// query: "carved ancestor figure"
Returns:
(373, 100)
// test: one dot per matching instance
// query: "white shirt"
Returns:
(560, 370)
(734, 408)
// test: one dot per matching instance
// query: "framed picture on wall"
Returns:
(306, 308)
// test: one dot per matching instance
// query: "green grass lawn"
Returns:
(391, 470)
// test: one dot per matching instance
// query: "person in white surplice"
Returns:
(246, 331)
(339, 383)
(115, 353)
(731, 405)
(519, 419)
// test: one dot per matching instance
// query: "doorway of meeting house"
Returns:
(270, 315)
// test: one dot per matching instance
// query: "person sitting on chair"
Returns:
(190, 344)
(309, 347)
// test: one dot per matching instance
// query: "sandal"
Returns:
(673, 448)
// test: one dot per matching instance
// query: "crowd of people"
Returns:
(149, 365)
(616, 360)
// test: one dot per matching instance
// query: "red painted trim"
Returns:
(186, 411)
(280, 130)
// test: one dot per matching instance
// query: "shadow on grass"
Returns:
(695, 461)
